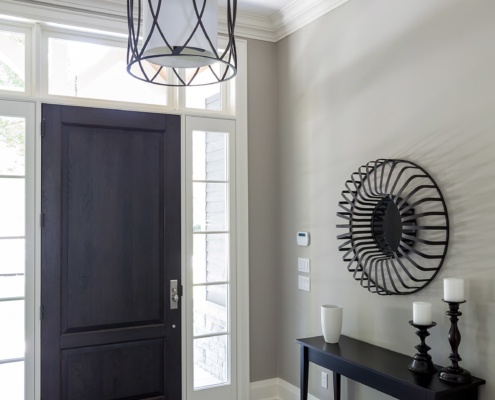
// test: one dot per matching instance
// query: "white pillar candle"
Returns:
(453, 290)
(421, 313)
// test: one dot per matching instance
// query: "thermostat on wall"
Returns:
(303, 238)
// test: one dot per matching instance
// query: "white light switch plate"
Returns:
(303, 265)
(303, 283)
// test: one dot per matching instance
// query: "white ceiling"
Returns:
(269, 20)
(263, 7)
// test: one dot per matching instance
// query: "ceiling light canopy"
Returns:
(175, 42)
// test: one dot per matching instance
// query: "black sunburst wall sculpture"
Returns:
(397, 227)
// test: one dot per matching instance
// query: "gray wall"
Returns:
(372, 79)
(263, 205)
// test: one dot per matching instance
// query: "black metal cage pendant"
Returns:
(175, 42)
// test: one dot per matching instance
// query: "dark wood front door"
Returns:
(110, 245)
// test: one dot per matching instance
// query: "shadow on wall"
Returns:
(460, 161)
(468, 182)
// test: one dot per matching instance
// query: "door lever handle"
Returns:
(174, 295)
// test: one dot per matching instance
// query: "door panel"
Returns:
(111, 197)
(114, 371)
(112, 231)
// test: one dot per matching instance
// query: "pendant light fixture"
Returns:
(175, 42)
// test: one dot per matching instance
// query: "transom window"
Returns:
(96, 71)
(87, 66)
(13, 66)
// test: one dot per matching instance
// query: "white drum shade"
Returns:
(175, 42)
(175, 32)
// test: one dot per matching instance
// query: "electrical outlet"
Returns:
(303, 265)
(324, 380)
(303, 283)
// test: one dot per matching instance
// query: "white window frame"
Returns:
(36, 29)
(176, 97)
(192, 124)
(26, 110)
(49, 31)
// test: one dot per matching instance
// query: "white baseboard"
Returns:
(265, 390)
(275, 389)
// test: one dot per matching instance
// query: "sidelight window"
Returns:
(210, 260)
(16, 257)
(210, 244)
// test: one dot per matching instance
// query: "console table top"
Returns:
(378, 363)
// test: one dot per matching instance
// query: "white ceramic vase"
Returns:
(331, 322)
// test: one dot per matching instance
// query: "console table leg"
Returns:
(304, 371)
(336, 386)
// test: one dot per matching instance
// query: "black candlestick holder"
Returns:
(454, 373)
(422, 360)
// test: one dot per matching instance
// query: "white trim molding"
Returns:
(111, 15)
(85, 16)
(275, 389)
(298, 14)
(265, 390)
(248, 25)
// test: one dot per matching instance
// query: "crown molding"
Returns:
(251, 26)
(298, 14)
(291, 18)
(111, 14)
(64, 13)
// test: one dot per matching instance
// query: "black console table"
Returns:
(379, 368)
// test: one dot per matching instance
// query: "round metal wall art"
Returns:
(397, 227)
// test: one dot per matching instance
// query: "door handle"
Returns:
(174, 295)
